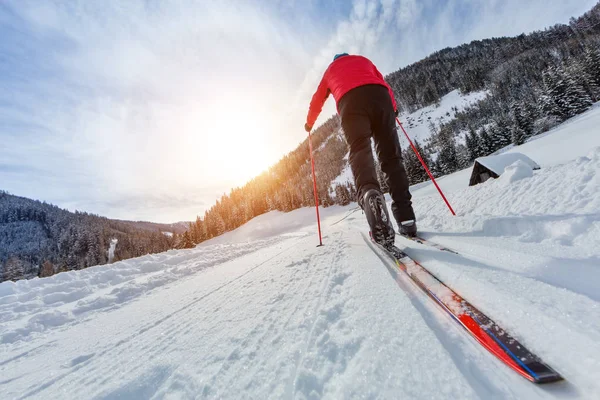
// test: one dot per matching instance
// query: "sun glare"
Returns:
(226, 145)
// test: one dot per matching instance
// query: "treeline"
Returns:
(40, 239)
(285, 186)
(534, 82)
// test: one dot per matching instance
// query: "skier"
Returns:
(367, 107)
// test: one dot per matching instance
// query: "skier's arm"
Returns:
(317, 102)
(388, 87)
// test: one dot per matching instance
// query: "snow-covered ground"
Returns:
(418, 123)
(262, 312)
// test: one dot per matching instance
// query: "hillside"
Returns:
(261, 312)
(39, 239)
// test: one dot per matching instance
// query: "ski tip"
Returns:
(544, 374)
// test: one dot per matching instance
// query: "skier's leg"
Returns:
(357, 129)
(389, 153)
(356, 121)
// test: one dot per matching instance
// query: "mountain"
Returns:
(525, 85)
(39, 239)
(262, 313)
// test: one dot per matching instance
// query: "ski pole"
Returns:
(312, 162)
(425, 166)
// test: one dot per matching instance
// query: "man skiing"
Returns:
(368, 109)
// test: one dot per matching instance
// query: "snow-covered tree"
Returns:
(471, 144)
(47, 269)
(186, 241)
(342, 194)
(14, 269)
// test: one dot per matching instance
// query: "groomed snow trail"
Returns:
(289, 321)
(262, 313)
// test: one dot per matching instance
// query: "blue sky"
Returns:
(153, 109)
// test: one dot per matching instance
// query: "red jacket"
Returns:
(343, 75)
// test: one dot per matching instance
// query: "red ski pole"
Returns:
(425, 166)
(312, 161)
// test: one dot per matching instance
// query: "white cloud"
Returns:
(153, 99)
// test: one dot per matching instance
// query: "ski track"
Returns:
(262, 313)
(291, 321)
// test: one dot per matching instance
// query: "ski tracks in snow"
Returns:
(297, 321)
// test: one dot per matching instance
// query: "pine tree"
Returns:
(411, 166)
(577, 98)
(14, 269)
(523, 117)
(186, 241)
(421, 174)
(577, 70)
(464, 159)
(518, 136)
(414, 170)
(342, 195)
(565, 96)
(471, 144)
(448, 157)
(47, 269)
(486, 146)
(592, 64)
(219, 224)
(555, 90)
(503, 133)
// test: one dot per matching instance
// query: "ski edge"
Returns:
(475, 328)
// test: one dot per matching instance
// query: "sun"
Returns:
(221, 145)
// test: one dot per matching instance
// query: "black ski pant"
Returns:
(367, 111)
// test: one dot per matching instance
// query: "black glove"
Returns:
(307, 127)
(396, 113)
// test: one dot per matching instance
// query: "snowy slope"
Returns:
(418, 122)
(574, 138)
(262, 312)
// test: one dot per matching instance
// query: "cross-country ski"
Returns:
(482, 328)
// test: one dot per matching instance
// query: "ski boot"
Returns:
(408, 228)
(373, 204)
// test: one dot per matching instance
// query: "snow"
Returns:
(515, 172)
(498, 163)
(111, 250)
(345, 177)
(417, 123)
(566, 142)
(569, 141)
(261, 312)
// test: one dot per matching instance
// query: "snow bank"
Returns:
(35, 305)
(569, 189)
(515, 172)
